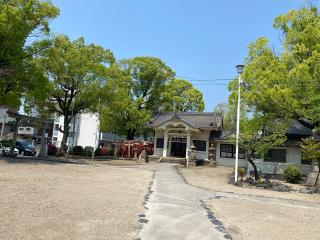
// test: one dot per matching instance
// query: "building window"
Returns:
(229, 151)
(21, 129)
(56, 127)
(200, 145)
(54, 139)
(28, 129)
(160, 142)
(276, 155)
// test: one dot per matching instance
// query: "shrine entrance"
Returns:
(178, 147)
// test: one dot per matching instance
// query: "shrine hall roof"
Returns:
(201, 120)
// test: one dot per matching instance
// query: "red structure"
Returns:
(126, 149)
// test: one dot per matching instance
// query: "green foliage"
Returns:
(6, 143)
(75, 72)
(180, 96)
(20, 20)
(285, 84)
(88, 150)
(132, 93)
(311, 151)
(77, 150)
(242, 172)
(258, 136)
(292, 174)
(229, 112)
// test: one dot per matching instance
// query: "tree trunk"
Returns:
(145, 135)
(255, 170)
(130, 134)
(317, 175)
(64, 147)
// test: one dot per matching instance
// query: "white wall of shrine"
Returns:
(201, 135)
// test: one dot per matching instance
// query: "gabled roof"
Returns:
(205, 120)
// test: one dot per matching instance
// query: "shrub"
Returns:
(52, 149)
(242, 172)
(97, 152)
(77, 150)
(292, 174)
(6, 143)
(88, 151)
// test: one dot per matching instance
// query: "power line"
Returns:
(192, 79)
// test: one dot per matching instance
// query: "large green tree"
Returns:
(75, 72)
(21, 23)
(180, 96)
(286, 84)
(133, 94)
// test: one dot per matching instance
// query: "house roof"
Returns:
(297, 128)
(204, 120)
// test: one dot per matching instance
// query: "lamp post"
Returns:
(239, 71)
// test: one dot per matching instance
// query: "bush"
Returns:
(292, 174)
(97, 152)
(52, 149)
(242, 172)
(77, 150)
(6, 143)
(88, 151)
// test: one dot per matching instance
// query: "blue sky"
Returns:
(198, 39)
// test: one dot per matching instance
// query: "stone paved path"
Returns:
(176, 210)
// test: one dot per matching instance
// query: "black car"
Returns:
(25, 148)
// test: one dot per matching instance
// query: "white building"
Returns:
(175, 133)
(84, 130)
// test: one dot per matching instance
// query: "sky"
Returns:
(198, 39)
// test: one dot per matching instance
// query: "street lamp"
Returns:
(239, 71)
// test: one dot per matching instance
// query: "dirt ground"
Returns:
(217, 179)
(248, 220)
(47, 200)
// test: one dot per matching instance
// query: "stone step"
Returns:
(172, 160)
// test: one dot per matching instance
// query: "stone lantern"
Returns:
(192, 157)
(145, 148)
(135, 150)
(212, 155)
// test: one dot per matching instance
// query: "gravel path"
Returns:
(46, 200)
(216, 179)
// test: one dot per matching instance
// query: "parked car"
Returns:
(25, 148)
(6, 151)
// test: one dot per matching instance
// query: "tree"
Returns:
(286, 84)
(133, 94)
(229, 112)
(21, 21)
(258, 136)
(180, 96)
(311, 151)
(75, 72)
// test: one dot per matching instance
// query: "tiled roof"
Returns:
(296, 128)
(206, 120)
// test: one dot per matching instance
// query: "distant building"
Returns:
(84, 130)
(175, 133)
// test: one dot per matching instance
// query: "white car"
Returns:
(6, 151)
